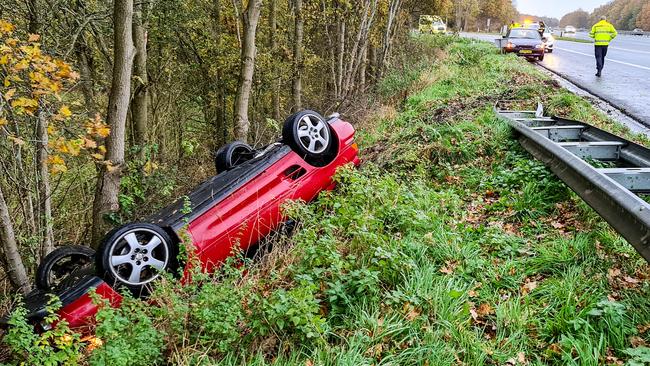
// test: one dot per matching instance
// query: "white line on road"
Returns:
(609, 59)
(628, 50)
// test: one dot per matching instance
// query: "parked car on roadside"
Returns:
(549, 41)
(525, 43)
(431, 24)
(638, 32)
(229, 212)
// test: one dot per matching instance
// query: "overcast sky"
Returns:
(556, 8)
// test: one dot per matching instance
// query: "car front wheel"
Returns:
(135, 255)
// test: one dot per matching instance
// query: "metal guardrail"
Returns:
(565, 146)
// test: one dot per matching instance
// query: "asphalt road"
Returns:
(625, 82)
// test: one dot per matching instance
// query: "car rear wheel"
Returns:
(60, 263)
(232, 154)
(135, 255)
(549, 50)
(309, 135)
(540, 58)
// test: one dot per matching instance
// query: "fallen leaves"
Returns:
(619, 280)
(637, 341)
(449, 267)
(528, 287)
(410, 311)
(519, 360)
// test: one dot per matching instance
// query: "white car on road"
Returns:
(570, 29)
(549, 41)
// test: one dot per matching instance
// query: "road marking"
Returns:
(609, 59)
(628, 50)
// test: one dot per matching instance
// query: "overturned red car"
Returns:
(237, 207)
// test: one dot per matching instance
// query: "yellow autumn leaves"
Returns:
(31, 87)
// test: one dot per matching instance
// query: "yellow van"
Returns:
(431, 24)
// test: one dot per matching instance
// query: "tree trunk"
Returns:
(34, 19)
(84, 60)
(359, 46)
(250, 19)
(297, 57)
(108, 183)
(45, 192)
(15, 267)
(139, 106)
(394, 8)
(341, 57)
(273, 23)
(362, 69)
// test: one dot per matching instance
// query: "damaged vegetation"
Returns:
(450, 245)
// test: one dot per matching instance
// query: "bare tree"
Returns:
(391, 24)
(297, 56)
(139, 105)
(273, 25)
(44, 189)
(359, 46)
(250, 19)
(108, 183)
(15, 267)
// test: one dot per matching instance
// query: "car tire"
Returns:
(550, 50)
(540, 58)
(134, 255)
(60, 262)
(310, 136)
(232, 154)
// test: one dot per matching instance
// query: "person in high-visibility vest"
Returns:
(514, 24)
(602, 32)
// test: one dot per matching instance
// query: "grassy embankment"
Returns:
(573, 39)
(450, 245)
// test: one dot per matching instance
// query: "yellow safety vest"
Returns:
(515, 25)
(602, 33)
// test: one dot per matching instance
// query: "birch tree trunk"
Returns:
(341, 57)
(273, 24)
(15, 267)
(139, 106)
(359, 46)
(391, 22)
(297, 57)
(250, 19)
(108, 183)
(45, 192)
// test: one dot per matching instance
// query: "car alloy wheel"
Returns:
(310, 136)
(133, 258)
(134, 255)
(313, 134)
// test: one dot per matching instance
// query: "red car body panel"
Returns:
(242, 218)
(81, 312)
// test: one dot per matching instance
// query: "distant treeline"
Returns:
(624, 14)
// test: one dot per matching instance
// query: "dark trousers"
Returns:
(601, 52)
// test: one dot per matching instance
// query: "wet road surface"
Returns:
(625, 82)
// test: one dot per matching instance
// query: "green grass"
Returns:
(450, 245)
(573, 39)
